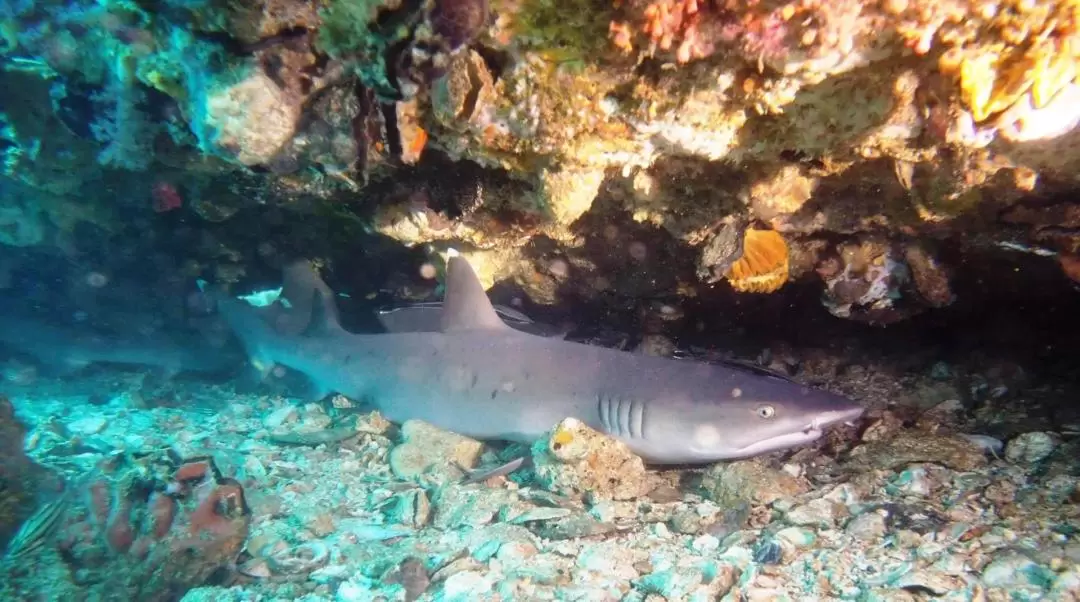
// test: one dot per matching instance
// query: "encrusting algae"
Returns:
(1004, 53)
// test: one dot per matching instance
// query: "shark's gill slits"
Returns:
(624, 416)
(621, 416)
(637, 420)
(602, 411)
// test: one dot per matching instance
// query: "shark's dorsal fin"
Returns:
(466, 305)
(324, 315)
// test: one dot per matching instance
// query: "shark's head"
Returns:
(765, 414)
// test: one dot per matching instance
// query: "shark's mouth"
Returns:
(784, 441)
(811, 433)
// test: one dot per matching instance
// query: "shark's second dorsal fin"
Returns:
(324, 315)
(466, 305)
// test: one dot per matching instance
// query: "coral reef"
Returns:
(823, 122)
(21, 479)
(140, 526)
(871, 281)
(575, 460)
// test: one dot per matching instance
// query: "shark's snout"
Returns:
(826, 419)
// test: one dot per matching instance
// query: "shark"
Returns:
(426, 316)
(477, 376)
(68, 350)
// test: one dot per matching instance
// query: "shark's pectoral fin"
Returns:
(466, 306)
(317, 391)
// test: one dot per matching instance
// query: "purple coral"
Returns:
(459, 21)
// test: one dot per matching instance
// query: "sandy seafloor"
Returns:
(898, 509)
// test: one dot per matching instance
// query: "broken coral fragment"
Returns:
(430, 453)
(575, 459)
(748, 482)
(951, 451)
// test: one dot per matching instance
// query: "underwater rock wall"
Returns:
(864, 134)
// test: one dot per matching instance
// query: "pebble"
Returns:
(1067, 582)
(728, 484)
(867, 527)
(91, 425)
(281, 417)
(432, 454)
(705, 544)
(1030, 448)
(1013, 570)
(465, 586)
(816, 513)
(797, 536)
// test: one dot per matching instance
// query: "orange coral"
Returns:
(763, 267)
(665, 22)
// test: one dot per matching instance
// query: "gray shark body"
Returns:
(65, 349)
(427, 317)
(479, 377)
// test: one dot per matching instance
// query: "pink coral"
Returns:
(123, 536)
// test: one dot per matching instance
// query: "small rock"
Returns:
(951, 451)
(429, 453)
(749, 481)
(574, 460)
(867, 527)
(515, 551)
(281, 416)
(466, 585)
(1015, 571)
(90, 425)
(1031, 448)
(468, 507)
(1067, 582)
(937, 584)
(816, 513)
(705, 544)
(797, 536)
(912, 481)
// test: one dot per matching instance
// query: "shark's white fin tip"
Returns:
(467, 306)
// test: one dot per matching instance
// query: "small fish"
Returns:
(481, 475)
(990, 445)
(36, 530)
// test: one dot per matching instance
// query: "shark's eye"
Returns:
(766, 411)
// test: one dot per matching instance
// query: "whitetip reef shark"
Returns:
(481, 378)
(65, 350)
